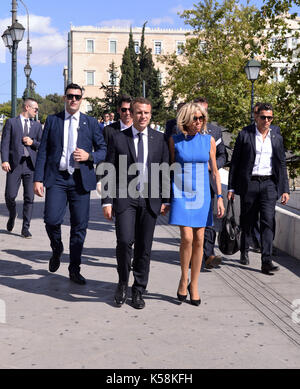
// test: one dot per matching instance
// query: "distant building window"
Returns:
(160, 78)
(89, 108)
(137, 47)
(90, 78)
(157, 48)
(203, 47)
(113, 47)
(90, 45)
(179, 47)
(294, 43)
(113, 79)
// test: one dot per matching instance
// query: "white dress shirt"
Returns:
(263, 159)
(124, 126)
(75, 125)
(23, 122)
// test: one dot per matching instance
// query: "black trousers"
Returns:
(135, 226)
(67, 190)
(209, 236)
(23, 172)
(261, 198)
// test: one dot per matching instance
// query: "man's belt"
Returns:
(261, 178)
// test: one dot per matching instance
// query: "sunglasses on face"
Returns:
(269, 118)
(35, 109)
(200, 118)
(125, 110)
(70, 97)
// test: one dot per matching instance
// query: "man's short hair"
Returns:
(73, 86)
(139, 100)
(200, 100)
(265, 107)
(124, 99)
(27, 101)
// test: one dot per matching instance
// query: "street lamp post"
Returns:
(252, 70)
(11, 37)
(27, 67)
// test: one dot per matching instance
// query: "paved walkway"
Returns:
(245, 319)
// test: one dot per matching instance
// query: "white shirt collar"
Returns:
(123, 125)
(75, 116)
(258, 133)
(135, 131)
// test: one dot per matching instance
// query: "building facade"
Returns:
(93, 50)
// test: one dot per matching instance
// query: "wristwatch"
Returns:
(91, 158)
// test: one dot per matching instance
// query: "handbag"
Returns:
(230, 234)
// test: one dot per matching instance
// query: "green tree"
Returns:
(130, 83)
(109, 102)
(151, 77)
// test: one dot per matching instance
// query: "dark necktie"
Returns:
(26, 133)
(140, 157)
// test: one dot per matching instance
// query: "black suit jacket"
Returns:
(89, 139)
(122, 145)
(243, 159)
(12, 148)
(110, 130)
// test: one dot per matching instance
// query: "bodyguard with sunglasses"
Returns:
(258, 174)
(70, 146)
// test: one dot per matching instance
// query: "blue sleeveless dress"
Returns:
(191, 199)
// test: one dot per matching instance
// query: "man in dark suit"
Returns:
(70, 146)
(210, 259)
(136, 205)
(255, 233)
(258, 174)
(171, 125)
(125, 119)
(21, 138)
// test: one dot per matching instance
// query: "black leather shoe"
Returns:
(137, 300)
(244, 258)
(121, 294)
(268, 268)
(10, 223)
(26, 234)
(54, 262)
(193, 302)
(213, 261)
(77, 278)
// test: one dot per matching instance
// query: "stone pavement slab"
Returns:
(245, 319)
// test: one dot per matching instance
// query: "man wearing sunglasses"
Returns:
(124, 122)
(21, 138)
(255, 233)
(70, 146)
(258, 174)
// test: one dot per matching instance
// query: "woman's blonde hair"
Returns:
(185, 117)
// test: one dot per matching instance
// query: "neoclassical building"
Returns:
(93, 49)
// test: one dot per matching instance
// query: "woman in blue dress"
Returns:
(193, 153)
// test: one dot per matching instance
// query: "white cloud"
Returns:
(177, 9)
(49, 46)
(122, 23)
(163, 20)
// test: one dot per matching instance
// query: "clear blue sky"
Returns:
(50, 23)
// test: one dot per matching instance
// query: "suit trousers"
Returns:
(135, 226)
(260, 198)
(22, 172)
(209, 236)
(67, 189)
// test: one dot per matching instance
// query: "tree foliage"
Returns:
(225, 35)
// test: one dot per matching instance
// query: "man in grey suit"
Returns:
(21, 138)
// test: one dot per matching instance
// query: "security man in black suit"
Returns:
(20, 141)
(258, 174)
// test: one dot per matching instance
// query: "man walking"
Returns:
(137, 212)
(21, 138)
(258, 174)
(70, 146)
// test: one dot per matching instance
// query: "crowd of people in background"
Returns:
(65, 160)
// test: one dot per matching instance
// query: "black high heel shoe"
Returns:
(193, 302)
(181, 297)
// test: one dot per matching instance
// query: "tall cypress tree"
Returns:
(130, 82)
(150, 76)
